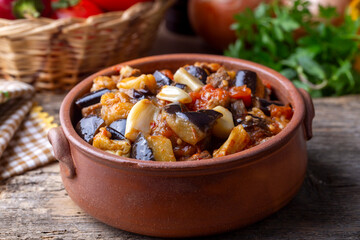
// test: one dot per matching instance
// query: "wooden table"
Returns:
(36, 206)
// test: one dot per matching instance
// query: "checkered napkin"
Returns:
(23, 130)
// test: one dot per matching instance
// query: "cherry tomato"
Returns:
(119, 5)
(242, 93)
(82, 9)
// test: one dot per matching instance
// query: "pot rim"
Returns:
(239, 159)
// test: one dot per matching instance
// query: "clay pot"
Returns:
(183, 199)
(211, 19)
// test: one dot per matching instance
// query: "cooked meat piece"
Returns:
(220, 79)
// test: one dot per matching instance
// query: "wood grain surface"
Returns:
(35, 205)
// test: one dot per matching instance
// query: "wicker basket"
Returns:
(56, 54)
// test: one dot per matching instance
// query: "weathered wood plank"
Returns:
(36, 206)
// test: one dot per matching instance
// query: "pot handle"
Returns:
(62, 152)
(309, 113)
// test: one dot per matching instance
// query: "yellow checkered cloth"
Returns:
(23, 134)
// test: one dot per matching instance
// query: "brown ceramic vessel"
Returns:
(183, 199)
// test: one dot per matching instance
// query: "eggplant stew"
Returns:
(200, 111)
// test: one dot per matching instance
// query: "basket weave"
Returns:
(56, 54)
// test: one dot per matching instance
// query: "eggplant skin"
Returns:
(161, 79)
(179, 85)
(175, 107)
(119, 125)
(197, 72)
(91, 98)
(141, 149)
(115, 135)
(246, 77)
(202, 119)
(88, 126)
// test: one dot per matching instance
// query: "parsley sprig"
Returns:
(312, 52)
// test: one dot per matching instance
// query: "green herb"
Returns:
(5, 93)
(314, 54)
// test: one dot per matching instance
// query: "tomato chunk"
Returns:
(209, 97)
(278, 111)
(243, 93)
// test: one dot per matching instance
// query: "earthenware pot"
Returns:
(183, 199)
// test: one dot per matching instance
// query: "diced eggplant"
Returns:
(88, 126)
(251, 80)
(141, 149)
(179, 85)
(161, 79)
(174, 94)
(162, 148)
(119, 126)
(238, 111)
(91, 98)
(140, 93)
(211, 113)
(191, 127)
(115, 135)
(184, 129)
(139, 118)
(223, 125)
(246, 77)
(183, 77)
(175, 107)
(203, 119)
(237, 141)
(197, 72)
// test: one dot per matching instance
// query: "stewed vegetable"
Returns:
(200, 111)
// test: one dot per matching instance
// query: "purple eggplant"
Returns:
(179, 85)
(141, 150)
(161, 79)
(88, 127)
(197, 72)
(140, 93)
(115, 135)
(251, 80)
(246, 77)
(238, 111)
(91, 98)
(119, 126)
(175, 107)
(203, 119)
